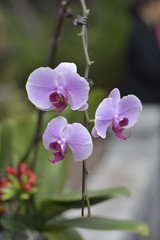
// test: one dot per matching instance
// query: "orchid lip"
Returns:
(59, 100)
(119, 128)
(123, 122)
(57, 157)
(59, 152)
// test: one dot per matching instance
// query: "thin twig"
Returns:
(51, 61)
(56, 38)
(86, 117)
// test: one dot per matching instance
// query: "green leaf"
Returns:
(24, 196)
(12, 222)
(5, 144)
(14, 180)
(62, 203)
(63, 234)
(100, 223)
(15, 136)
(23, 131)
(104, 193)
(8, 193)
(52, 177)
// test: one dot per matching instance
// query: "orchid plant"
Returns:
(52, 90)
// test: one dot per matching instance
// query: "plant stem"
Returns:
(56, 38)
(51, 61)
(86, 117)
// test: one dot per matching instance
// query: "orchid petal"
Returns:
(104, 115)
(101, 127)
(77, 89)
(54, 131)
(84, 107)
(115, 95)
(65, 66)
(130, 107)
(94, 133)
(105, 110)
(41, 83)
(79, 140)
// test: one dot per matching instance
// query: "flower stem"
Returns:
(86, 117)
(84, 191)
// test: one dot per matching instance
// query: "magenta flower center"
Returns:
(124, 122)
(59, 100)
(60, 150)
(118, 126)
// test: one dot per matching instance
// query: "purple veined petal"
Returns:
(130, 107)
(115, 95)
(79, 140)
(41, 83)
(65, 66)
(94, 133)
(105, 110)
(101, 127)
(76, 87)
(54, 131)
(105, 113)
(57, 157)
(84, 107)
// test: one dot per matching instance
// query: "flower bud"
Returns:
(27, 187)
(22, 168)
(10, 170)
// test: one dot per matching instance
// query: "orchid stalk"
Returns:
(86, 117)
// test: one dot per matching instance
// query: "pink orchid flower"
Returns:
(53, 89)
(59, 134)
(119, 113)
